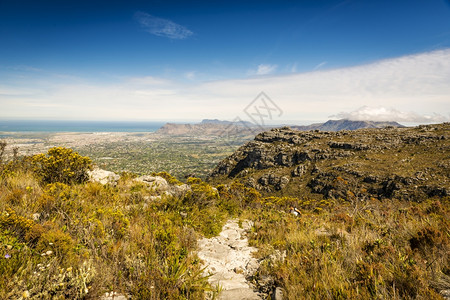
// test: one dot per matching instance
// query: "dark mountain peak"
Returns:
(345, 124)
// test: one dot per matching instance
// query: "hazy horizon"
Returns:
(87, 126)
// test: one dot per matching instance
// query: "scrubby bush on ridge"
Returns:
(61, 165)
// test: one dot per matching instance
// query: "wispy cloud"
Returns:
(367, 113)
(320, 65)
(162, 27)
(263, 69)
(293, 67)
(190, 75)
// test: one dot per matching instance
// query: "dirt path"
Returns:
(228, 257)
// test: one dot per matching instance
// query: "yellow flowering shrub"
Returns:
(61, 165)
(10, 220)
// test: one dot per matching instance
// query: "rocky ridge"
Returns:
(403, 163)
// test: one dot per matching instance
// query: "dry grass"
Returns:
(381, 250)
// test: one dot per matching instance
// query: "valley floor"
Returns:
(141, 153)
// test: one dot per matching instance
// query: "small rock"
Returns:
(445, 294)
(113, 296)
(36, 216)
(277, 294)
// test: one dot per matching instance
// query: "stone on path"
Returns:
(229, 259)
(239, 294)
(113, 296)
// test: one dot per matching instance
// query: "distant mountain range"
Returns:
(337, 125)
(222, 122)
(211, 128)
(220, 127)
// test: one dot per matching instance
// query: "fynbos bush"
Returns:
(61, 165)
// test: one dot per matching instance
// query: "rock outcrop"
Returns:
(103, 176)
(403, 163)
(157, 183)
(161, 186)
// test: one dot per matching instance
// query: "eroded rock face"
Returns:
(402, 163)
(300, 170)
(349, 146)
(229, 259)
(272, 180)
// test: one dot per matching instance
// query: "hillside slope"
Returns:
(403, 163)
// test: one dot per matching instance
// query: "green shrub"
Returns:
(201, 194)
(56, 242)
(61, 165)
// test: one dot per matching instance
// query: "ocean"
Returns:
(78, 126)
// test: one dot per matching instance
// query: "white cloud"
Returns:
(366, 113)
(162, 27)
(263, 69)
(414, 88)
(8, 91)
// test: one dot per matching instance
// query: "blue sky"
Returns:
(188, 60)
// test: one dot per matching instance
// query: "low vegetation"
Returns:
(62, 236)
(366, 250)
